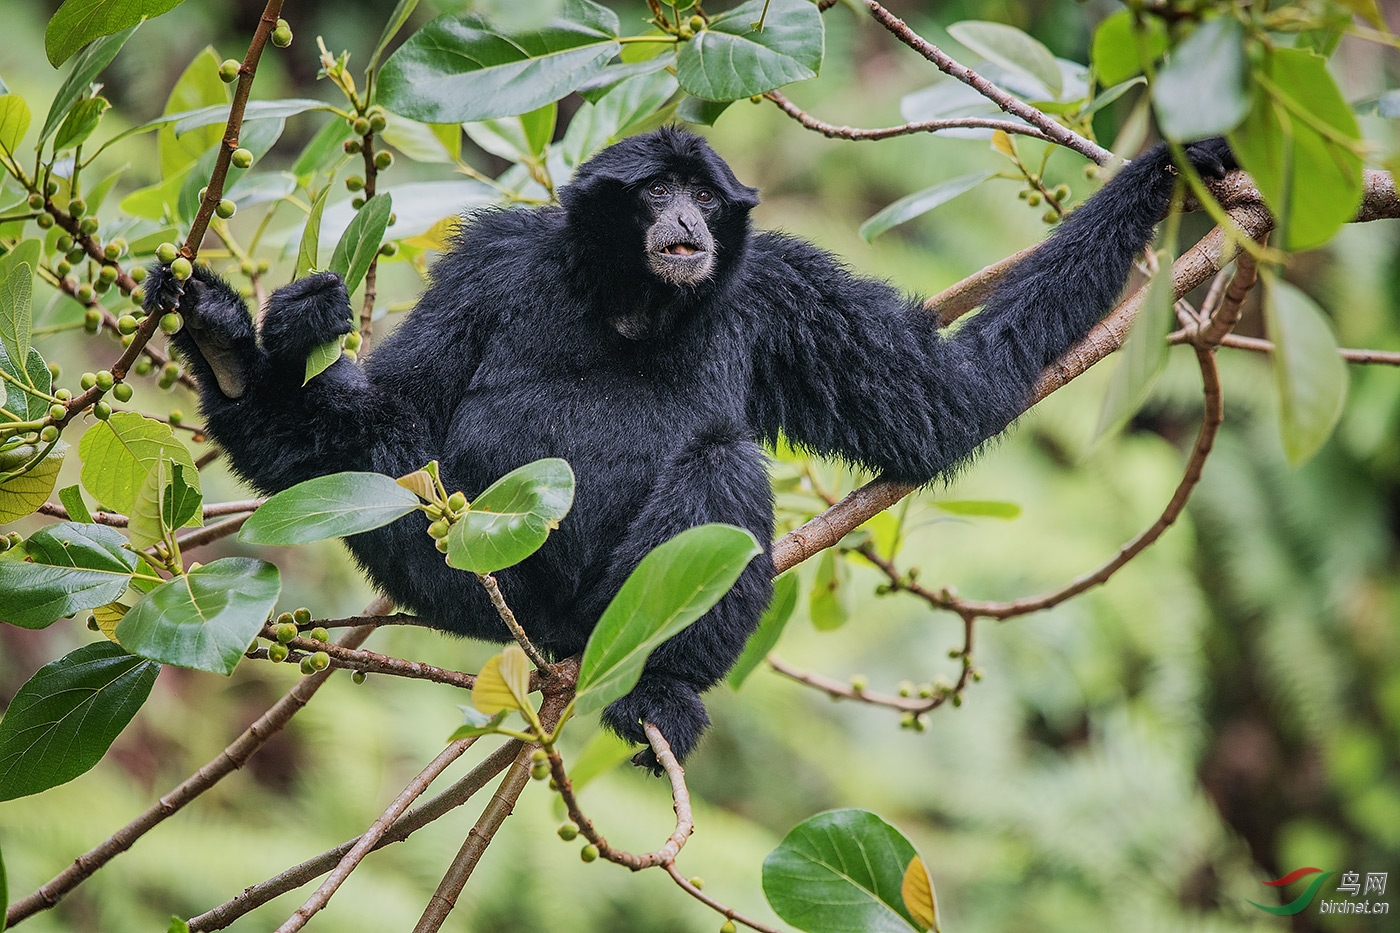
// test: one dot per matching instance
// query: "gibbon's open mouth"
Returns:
(680, 249)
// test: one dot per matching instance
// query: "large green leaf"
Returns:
(87, 66)
(459, 68)
(360, 242)
(1122, 43)
(1202, 90)
(26, 390)
(119, 452)
(198, 87)
(69, 568)
(16, 290)
(731, 59)
(328, 507)
(599, 124)
(775, 619)
(1011, 48)
(206, 618)
(22, 495)
(14, 121)
(78, 22)
(1297, 143)
(1310, 375)
(65, 718)
(919, 203)
(511, 519)
(673, 586)
(839, 872)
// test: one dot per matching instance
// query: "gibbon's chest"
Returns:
(614, 414)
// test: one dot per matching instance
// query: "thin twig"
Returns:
(211, 533)
(444, 899)
(233, 757)
(371, 837)
(1054, 131)
(373, 663)
(708, 901)
(291, 879)
(833, 131)
(498, 600)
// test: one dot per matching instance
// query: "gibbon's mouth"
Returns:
(680, 250)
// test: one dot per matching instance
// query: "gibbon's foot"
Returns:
(671, 705)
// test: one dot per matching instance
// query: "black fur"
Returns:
(514, 353)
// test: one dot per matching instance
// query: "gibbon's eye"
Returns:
(704, 196)
(657, 189)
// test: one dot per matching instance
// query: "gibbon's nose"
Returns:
(690, 220)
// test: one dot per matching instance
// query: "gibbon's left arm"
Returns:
(847, 367)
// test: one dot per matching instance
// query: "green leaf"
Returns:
(775, 619)
(921, 202)
(673, 586)
(601, 84)
(330, 506)
(78, 22)
(477, 723)
(599, 755)
(841, 871)
(67, 715)
(255, 111)
(307, 255)
(416, 140)
(512, 518)
(731, 59)
(1123, 43)
(419, 206)
(198, 87)
(19, 399)
(166, 502)
(80, 122)
(321, 358)
(72, 499)
(982, 508)
(87, 67)
(177, 925)
(16, 320)
(323, 150)
(827, 604)
(205, 619)
(1012, 49)
(119, 452)
(701, 111)
(538, 126)
(256, 137)
(1144, 352)
(600, 124)
(358, 246)
(402, 11)
(1310, 375)
(14, 121)
(22, 495)
(1202, 90)
(1297, 144)
(69, 568)
(458, 68)
(503, 683)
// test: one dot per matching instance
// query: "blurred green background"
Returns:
(1225, 710)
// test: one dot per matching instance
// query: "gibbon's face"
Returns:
(680, 246)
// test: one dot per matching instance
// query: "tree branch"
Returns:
(298, 875)
(1053, 131)
(233, 757)
(832, 131)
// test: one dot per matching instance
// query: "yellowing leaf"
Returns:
(438, 236)
(492, 694)
(23, 494)
(515, 671)
(1001, 142)
(420, 483)
(917, 891)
